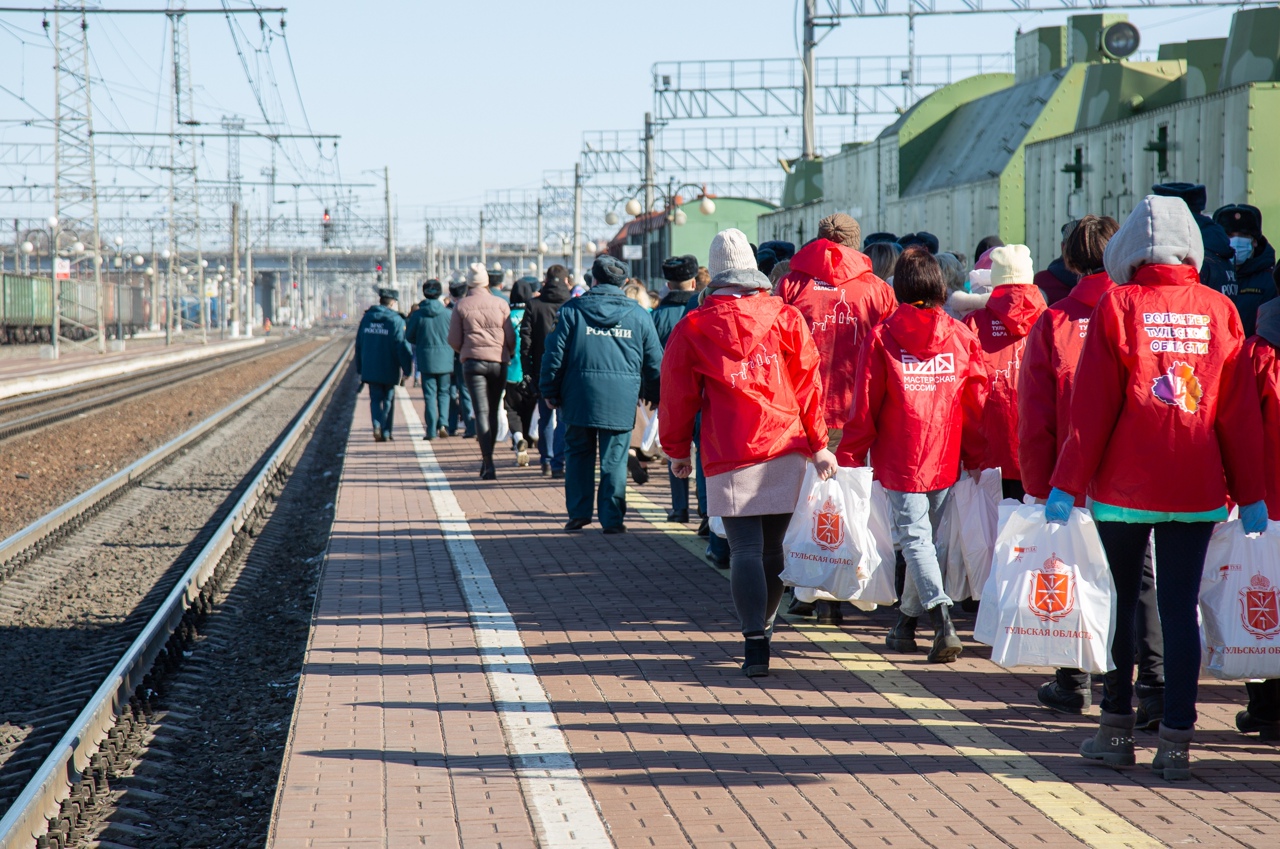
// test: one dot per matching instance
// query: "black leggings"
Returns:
(1179, 558)
(755, 562)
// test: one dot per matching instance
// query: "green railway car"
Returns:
(26, 309)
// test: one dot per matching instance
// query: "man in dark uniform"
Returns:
(601, 359)
(383, 358)
(680, 272)
(1218, 269)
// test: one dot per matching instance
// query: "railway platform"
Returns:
(476, 677)
(22, 375)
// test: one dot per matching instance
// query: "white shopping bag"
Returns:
(830, 544)
(504, 427)
(716, 525)
(977, 514)
(649, 441)
(1049, 599)
(534, 430)
(1240, 603)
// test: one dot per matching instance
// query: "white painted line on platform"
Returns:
(563, 811)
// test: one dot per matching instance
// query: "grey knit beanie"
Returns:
(477, 276)
(1160, 231)
(730, 251)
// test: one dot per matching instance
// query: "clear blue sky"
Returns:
(460, 97)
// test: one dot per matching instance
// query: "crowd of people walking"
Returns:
(1135, 377)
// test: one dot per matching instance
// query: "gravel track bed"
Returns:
(42, 470)
(66, 616)
(220, 723)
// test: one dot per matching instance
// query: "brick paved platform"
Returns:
(478, 678)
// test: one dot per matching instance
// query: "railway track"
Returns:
(91, 594)
(28, 413)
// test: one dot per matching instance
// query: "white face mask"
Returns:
(1243, 246)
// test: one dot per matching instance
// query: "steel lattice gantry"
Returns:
(832, 11)
(843, 85)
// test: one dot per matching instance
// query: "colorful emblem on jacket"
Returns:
(1053, 590)
(1260, 608)
(1179, 387)
(828, 527)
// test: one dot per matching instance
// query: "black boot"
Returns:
(756, 651)
(902, 637)
(800, 608)
(1173, 754)
(489, 473)
(1150, 705)
(946, 643)
(1113, 743)
(1247, 723)
(828, 613)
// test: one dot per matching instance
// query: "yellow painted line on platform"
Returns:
(1075, 811)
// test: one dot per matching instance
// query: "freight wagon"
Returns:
(26, 309)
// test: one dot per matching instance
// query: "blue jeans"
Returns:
(699, 477)
(580, 473)
(435, 395)
(460, 411)
(915, 518)
(382, 405)
(551, 440)
(679, 492)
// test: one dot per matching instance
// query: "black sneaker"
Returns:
(704, 527)
(1058, 698)
(546, 470)
(616, 529)
(679, 516)
(557, 474)
(576, 524)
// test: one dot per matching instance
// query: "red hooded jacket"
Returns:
(1045, 380)
(917, 401)
(750, 367)
(1263, 359)
(1165, 414)
(841, 300)
(1002, 327)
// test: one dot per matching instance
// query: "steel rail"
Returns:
(27, 819)
(135, 384)
(26, 543)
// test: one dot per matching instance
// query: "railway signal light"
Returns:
(326, 228)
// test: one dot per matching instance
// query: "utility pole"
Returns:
(484, 259)
(538, 244)
(577, 224)
(248, 277)
(391, 228)
(810, 42)
(234, 312)
(648, 189)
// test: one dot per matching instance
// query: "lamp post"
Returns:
(674, 214)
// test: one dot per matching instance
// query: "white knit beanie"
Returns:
(1011, 264)
(477, 276)
(730, 251)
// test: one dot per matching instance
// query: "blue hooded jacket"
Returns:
(603, 356)
(382, 354)
(428, 332)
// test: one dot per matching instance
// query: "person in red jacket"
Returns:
(1165, 427)
(1044, 409)
(841, 299)
(1263, 351)
(917, 409)
(1002, 327)
(747, 363)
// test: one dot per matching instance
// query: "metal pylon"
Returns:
(75, 196)
(184, 185)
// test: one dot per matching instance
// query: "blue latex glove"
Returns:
(1058, 507)
(1254, 517)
